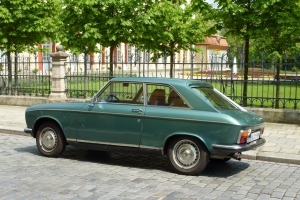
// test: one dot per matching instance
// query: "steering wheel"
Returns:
(112, 98)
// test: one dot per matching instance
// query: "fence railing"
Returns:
(25, 78)
(266, 86)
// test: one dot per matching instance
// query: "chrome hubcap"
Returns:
(48, 139)
(186, 154)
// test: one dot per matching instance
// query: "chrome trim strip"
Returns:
(118, 114)
(115, 144)
(71, 140)
(82, 111)
(48, 109)
(184, 119)
(122, 103)
(149, 147)
(108, 143)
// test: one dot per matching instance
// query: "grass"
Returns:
(263, 94)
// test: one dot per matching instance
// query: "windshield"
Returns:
(215, 98)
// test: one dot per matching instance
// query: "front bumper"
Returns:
(28, 130)
(239, 147)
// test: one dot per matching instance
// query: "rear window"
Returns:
(215, 98)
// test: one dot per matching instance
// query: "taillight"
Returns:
(262, 131)
(243, 136)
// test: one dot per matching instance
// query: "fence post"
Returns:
(58, 88)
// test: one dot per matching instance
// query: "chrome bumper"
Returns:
(28, 130)
(239, 147)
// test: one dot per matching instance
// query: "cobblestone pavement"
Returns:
(85, 174)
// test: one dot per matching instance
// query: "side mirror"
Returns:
(93, 100)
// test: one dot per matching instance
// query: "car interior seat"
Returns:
(157, 97)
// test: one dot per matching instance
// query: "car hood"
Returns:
(244, 117)
(57, 106)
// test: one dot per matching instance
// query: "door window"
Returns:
(123, 92)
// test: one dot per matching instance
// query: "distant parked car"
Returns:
(189, 121)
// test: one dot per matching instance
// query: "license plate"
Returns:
(255, 136)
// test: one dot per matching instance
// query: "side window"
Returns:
(123, 92)
(162, 95)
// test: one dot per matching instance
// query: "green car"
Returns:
(189, 121)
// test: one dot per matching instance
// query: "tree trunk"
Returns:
(277, 90)
(16, 71)
(85, 75)
(111, 62)
(172, 63)
(246, 62)
(9, 63)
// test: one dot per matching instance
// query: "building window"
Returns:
(129, 54)
(119, 54)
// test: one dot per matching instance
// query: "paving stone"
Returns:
(289, 151)
(77, 174)
(278, 195)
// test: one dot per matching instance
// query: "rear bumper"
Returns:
(239, 147)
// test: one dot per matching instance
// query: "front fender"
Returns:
(43, 119)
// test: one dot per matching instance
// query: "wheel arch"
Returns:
(171, 137)
(42, 120)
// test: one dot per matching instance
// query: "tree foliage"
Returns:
(81, 32)
(170, 26)
(26, 23)
(270, 24)
(118, 20)
(281, 27)
(105, 22)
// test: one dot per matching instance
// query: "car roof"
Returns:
(171, 81)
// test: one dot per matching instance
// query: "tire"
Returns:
(50, 140)
(215, 160)
(187, 155)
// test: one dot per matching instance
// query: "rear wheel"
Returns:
(187, 155)
(50, 140)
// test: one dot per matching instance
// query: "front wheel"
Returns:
(187, 155)
(50, 140)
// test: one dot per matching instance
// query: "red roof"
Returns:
(216, 40)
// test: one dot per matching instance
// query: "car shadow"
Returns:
(223, 170)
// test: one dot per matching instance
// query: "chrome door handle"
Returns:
(140, 111)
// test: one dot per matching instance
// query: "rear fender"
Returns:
(170, 137)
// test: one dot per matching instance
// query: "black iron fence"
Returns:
(272, 84)
(25, 76)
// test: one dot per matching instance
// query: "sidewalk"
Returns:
(283, 140)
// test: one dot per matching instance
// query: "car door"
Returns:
(116, 118)
(164, 115)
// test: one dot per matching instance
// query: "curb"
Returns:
(271, 157)
(14, 132)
